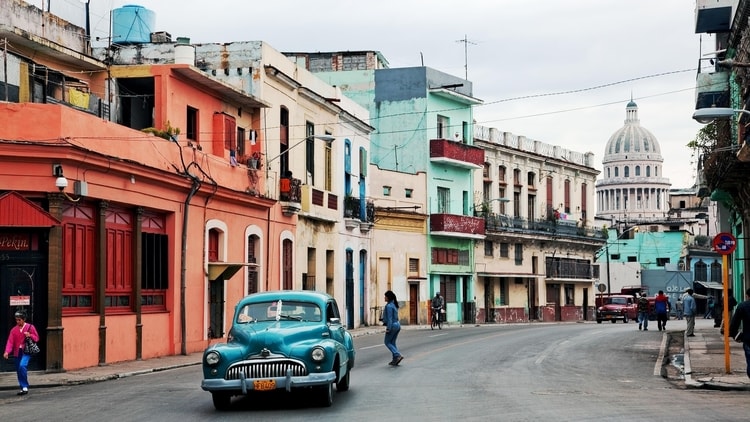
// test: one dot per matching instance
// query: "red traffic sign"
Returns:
(724, 243)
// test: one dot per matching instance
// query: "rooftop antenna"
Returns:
(466, 42)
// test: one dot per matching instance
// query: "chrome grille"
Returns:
(265, 369)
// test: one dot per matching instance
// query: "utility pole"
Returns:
(466, 42)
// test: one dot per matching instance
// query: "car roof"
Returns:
(301, 295)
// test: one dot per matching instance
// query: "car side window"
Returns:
(332, 311)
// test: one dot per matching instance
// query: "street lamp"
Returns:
(709, 114)
(327, 138)
(606, 251)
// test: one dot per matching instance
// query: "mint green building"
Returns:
(424, 125)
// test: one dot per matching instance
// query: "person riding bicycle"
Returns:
(437, 306)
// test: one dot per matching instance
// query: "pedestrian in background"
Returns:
(643, 312)
(742, 316)
(718, 311)
(14, 347)
(392, 327)
(689, 310)
(662, 308)
(732, 303)
(709, 308)
(678, 307)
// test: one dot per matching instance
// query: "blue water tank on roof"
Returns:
(132, 24)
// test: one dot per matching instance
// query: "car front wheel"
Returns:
(222, 401)
(343, 383)
(325, 395)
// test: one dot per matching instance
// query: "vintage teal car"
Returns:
(281, 340)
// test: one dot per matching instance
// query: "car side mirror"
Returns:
(334, 320)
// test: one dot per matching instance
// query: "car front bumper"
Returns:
(610, 315)
(244, 385)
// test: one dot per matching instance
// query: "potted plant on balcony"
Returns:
(169, 132)
(482, 209)
(252, 161)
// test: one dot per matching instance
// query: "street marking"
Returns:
(370, 347)
(549, 349)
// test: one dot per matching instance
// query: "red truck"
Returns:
(614, 307)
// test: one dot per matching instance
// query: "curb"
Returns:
(688, 370)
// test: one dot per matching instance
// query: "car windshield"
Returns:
(279, 311)
(618, 301)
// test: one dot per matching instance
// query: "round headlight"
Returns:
(212, 357)
(318, 354)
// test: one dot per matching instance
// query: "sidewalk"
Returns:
(704, 363)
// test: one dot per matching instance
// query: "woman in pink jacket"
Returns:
(14, 347)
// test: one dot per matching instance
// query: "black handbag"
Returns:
(31, 348)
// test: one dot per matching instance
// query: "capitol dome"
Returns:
(632, 187)
(632, 138)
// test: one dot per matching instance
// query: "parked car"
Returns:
(614, 307)
(281, 340)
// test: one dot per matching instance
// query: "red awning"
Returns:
(17, 211)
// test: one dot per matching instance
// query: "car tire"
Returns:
(598, 321)
(613, 321)
(222, 401)
(343, 383)
(325, 395)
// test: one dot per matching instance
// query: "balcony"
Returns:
(712, 90)
(357, 216)
(290, 196)
(568, 268)
(319, 205)
(498, 223)
(454, 225)
(456, 154)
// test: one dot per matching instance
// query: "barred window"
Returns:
(570, 298)
(504, 250)
(414, 265)
(154, 280)
(701, 271)
(519, 253)
(488, 246)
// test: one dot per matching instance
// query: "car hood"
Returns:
(610, 307)
(279, 336)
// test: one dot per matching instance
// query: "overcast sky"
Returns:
(594, 53)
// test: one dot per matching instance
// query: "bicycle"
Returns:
(436, 320)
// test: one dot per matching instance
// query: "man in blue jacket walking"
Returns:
(689, 309)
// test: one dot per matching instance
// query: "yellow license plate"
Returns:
(264, 385)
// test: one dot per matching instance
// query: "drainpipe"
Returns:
(268, 244)
(183, 264)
